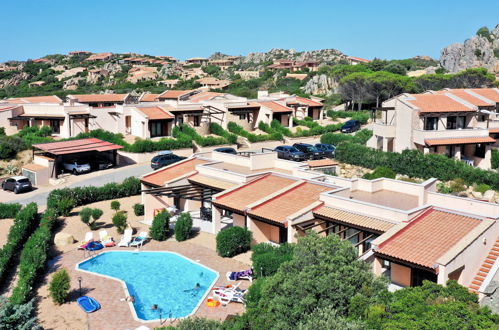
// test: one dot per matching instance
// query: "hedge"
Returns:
(233, 241)
(415, 164)
(362, 116)
(9, 210)
(266, 258)
(360, 137)
(252, 138)
(495, 159)
(187, 133)
(90, 194)
(24, 224)
(218, 130)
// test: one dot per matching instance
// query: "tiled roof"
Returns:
(489, 93)
(321, 162)
(204, 96)
(158, 178)
(34, 167)
(155, 113)
(7, 107)
(428, 237)
(171, 94)
(253, 191)
(211, 182)
(354, 219)
(88, 98)
(74, 146)
(494, 130)
(149, 97)
(290, 202)
(275, 107)
(309, 102)
(359, 59)
(464, 95)
(437, 103)
(464, 140)
(35, 99)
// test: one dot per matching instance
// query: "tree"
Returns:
(183, 227)
(431, 82)
(328, 318)
(115, 205)
(354, 88)
(17, 316)
(59, 287)
(472, 78)
(119, 221)
(396, 68)
(160, 226)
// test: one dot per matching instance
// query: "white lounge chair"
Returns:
(140, 239)
(89, 236)
(227, 296)
(126, 239)
(105, 239)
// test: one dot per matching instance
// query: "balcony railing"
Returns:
(419, 136)
(380, 129)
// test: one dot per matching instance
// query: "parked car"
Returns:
(164, 159)
(326, 150)
(100, 163)
(350, 126)
(76, 166)
(309, 150)
(290, 153)
(226, 150)
(17, 184)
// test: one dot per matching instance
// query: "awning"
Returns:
(453, 141)
(352, 219)
(40, 117)
(75, 146)
(188, 191)
(81, 115)
(211, 182)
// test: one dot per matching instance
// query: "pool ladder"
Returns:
(89, 253)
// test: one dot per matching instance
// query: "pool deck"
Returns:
(116, 314)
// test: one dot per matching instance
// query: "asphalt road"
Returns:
(111, 175)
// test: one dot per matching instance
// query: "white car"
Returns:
(76, 166)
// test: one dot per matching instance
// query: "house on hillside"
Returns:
(101, 100)
(356, 60)
(197, 60)
(99, 57)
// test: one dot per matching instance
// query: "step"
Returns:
(474, 287)
(486, 265)
(479, 278)
(492, 257)
(495, 249)
(488, 261)
(482, 274)
(485, 270)
(477, 283)
(494, 253)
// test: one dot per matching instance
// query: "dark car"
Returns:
(350, 126)
(326, 150)
(164, 160)
(17, 184)
(290, 153)
(100, 163)
(309, 150)
(226, 150)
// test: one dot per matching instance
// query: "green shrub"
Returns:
(362, 116)
(482, 188)
(457, 185)
(233, 241)
(59, 287)
(17, 316)
(96, 214)
(183, 227)
(10, 146)
(138, 209)
(65, 206)
(266, 258)
(115, 205)
(119, 221)
(160, 226)
(252, 138)
(443, 188)
(495, 159)
(360, 137)
(9, 210)
(85, 215)
(218, 130)
(380, 172)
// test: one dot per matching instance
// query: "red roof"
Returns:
(308, 102)
(36, 99)
(155, 113)
(172, 94)
(275, 107)
(177, 170)
(89, 98)
(149, 98)
(74, 146)
(464, 140)
(464, 95)
(489, 93)
(428, 237)
(437, 103)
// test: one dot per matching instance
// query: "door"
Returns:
(283, 235)
(55, 125)
(155, 128)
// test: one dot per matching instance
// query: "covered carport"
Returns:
(86, 149)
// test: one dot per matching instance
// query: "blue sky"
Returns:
(189, 28)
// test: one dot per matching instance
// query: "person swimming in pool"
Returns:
(194, 290)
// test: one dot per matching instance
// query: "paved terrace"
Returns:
(388, 198)
(246, 170)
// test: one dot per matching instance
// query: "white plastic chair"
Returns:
(127, 238)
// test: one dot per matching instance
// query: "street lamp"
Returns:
(79, 284)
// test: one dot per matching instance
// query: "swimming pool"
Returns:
(165, 279)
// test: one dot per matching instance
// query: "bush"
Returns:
(183, 227)
(381, 172)
(96, 214)
(85, 215)
(89, 213)
(119, 221)
(160, 226)
(266, 258)
(360, 137)
(218, 130)
(59, 287)
(9, 210)
(482, 188)
(138, 209)
(457, 185)
(495, 159)
(65, 206)
(115, 205)
(10, 146)
(252, 138)
(15, 316)
(233, 241)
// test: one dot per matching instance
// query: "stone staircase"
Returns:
(485, 268)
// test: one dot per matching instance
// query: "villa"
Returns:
(407, 231)
(458, 123)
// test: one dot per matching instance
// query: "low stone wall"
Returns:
(136, 158)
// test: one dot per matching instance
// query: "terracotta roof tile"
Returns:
(155, 113)
(309, 102)
(160, 177)
(74, 146)
(35, 99)
(489, 93)
(34, 167)
(275, 107)
(88, 98)
(494, 130)
(464, 140)
(354, 219)
(253, 191)
(149, 97)
(428, 237)
(464, 95)
(295, 199)
(204, 96)
(173, 94)
(437, 103)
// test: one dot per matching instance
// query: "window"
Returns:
(156, 128)
(55, 125)
(242, 116)
(456, 122)
(196, 121)
(430, 123)
(480, 150)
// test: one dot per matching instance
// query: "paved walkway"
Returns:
(98, 178)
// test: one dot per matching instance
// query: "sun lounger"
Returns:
(225, 297)
(140, 239)
(89, 237)
(242, 275)
(127, 238)
(105, 239)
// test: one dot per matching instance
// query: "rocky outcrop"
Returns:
(112, 68)
(320, 85)
(478, 51)
(72, 83)
(169, 69)
(15, 80)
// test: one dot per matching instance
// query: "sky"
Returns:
(195, 28)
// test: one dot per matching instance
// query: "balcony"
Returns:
(380, 129)
(419, 136)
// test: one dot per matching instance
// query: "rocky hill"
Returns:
(481, 50)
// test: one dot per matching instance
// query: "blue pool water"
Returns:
(162, 278)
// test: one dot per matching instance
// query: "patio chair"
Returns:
(126, 238)
(89, 237)
(225, 297)
(242, 275)
(140, 239)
